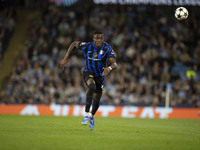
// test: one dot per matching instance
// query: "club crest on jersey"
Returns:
(101, 52)
(95, 55)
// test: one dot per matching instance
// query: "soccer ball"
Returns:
(181, 13)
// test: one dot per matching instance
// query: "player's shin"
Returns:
(95, 106)
(91, 90)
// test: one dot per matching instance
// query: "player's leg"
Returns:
(95, 106)
(89, 95)
(97, 95)
(91, 89)
(96, 101)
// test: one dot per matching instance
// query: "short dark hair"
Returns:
(96, 32)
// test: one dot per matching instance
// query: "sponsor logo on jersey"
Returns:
(95, 59)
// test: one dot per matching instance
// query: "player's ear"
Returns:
(93, 38)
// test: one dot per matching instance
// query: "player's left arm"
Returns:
(113, 66)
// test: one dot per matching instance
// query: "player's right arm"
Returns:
(63, 62)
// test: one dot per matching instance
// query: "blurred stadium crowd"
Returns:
(7, 26)
(154, 51)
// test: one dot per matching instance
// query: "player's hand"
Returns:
(106, 71)
(62, 64)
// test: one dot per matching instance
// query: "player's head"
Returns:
(98, 39)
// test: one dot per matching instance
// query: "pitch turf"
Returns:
(53, 133)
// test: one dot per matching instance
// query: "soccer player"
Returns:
(96, 54)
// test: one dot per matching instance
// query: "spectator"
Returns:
(7, 26)
(151, 55)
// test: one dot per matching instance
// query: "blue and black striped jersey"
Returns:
(96, 59)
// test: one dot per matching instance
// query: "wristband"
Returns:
(110, 68)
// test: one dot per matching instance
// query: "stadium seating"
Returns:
(7, 26)
(153, 50)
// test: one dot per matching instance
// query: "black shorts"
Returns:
(99, 81)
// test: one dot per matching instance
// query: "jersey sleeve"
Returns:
(83, 45)
(111, 53)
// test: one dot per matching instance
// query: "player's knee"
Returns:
(92, 88)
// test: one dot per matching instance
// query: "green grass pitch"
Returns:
(67, 133)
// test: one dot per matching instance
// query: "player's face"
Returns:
(98, 40)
